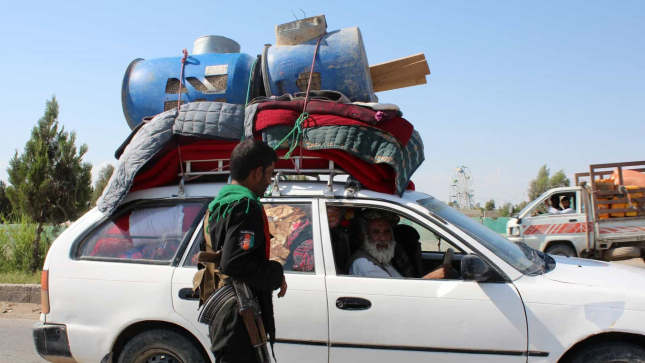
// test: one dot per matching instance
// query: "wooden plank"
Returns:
(300, 31)
(400, 83)
(412, 74)
(615, 165)
(622, 210)
(393, 65)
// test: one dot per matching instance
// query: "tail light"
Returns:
(44, 291)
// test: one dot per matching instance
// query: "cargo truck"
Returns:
(606, 219)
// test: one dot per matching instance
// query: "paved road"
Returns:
(16, 343)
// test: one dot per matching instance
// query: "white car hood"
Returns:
(595, 273)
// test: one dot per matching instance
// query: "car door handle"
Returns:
(573, 220)
(353, 303)
(188, 294)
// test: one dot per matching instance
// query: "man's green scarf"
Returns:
(225, 201)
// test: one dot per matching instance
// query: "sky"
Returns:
(514, 85)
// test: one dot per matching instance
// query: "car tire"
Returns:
(561, 249)
(160, 346)
(611, 352)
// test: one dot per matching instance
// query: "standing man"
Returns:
(239, 228)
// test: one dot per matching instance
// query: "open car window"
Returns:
(291, 226)
(398, 248)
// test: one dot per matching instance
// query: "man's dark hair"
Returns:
(249, 155)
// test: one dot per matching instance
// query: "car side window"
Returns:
(292, 244)
(290, 225)
(143, 233)
(374, 242)
(430, 241)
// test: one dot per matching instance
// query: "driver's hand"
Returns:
(283, 287)
(438, 274)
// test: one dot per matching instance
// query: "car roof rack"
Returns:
(299, 163)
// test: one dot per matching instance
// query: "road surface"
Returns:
(16, 343)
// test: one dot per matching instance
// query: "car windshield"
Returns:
(525, 259)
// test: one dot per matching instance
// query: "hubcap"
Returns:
(158, 356)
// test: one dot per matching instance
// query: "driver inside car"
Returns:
(375, 256)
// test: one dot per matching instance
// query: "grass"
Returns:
(16, 277)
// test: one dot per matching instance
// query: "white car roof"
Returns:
(288, 188)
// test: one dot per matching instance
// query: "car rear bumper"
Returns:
(52, 343)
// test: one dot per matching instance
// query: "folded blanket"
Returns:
(398, 127)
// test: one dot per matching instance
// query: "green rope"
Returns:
(294, 136)
(248, 90)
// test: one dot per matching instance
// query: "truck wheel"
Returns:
(611, 352)
(160, 346)
(561, 249)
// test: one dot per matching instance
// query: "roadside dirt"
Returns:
(19, 311)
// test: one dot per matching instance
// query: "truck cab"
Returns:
(562, 234)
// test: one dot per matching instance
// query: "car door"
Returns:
(415, 320)
(542, 229)
(121, 269)
(301, 316)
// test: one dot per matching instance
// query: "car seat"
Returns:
(409, 239)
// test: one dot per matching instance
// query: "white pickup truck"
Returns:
(602, 224)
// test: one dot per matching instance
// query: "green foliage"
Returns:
(104, 177)
(490, 205)
(50, 183)
(17, 235)
(544, 182)
(18, 277)
(503, 211)
(5, 204)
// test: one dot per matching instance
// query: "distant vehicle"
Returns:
(107, 301)
(607, 221)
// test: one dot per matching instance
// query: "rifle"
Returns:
(252, 316)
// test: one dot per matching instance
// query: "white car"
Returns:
(118, 289)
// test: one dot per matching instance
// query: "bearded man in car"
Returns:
(375, 257)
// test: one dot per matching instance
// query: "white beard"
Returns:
(382, 256)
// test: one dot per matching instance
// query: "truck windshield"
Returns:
(525, 259)
(532, 204)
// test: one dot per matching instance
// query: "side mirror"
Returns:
(511, 210)
(473, 268)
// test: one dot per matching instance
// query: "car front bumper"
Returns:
(52, 343)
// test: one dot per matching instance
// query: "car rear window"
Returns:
(145, 233)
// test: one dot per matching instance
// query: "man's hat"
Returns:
(372, 214)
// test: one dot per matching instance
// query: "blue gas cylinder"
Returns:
(341, 65)
(151, 86)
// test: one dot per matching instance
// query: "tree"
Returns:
(544, 182)
(503, 211)
(104, 177)
(5, 204)
(50, 183)
(490, 205)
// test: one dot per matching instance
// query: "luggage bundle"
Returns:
(311, 97)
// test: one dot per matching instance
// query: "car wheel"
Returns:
(561, 250)
(160, 346)
(611, 353)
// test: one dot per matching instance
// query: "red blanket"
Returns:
(399, 127)
(165, 169)
(316, 107)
